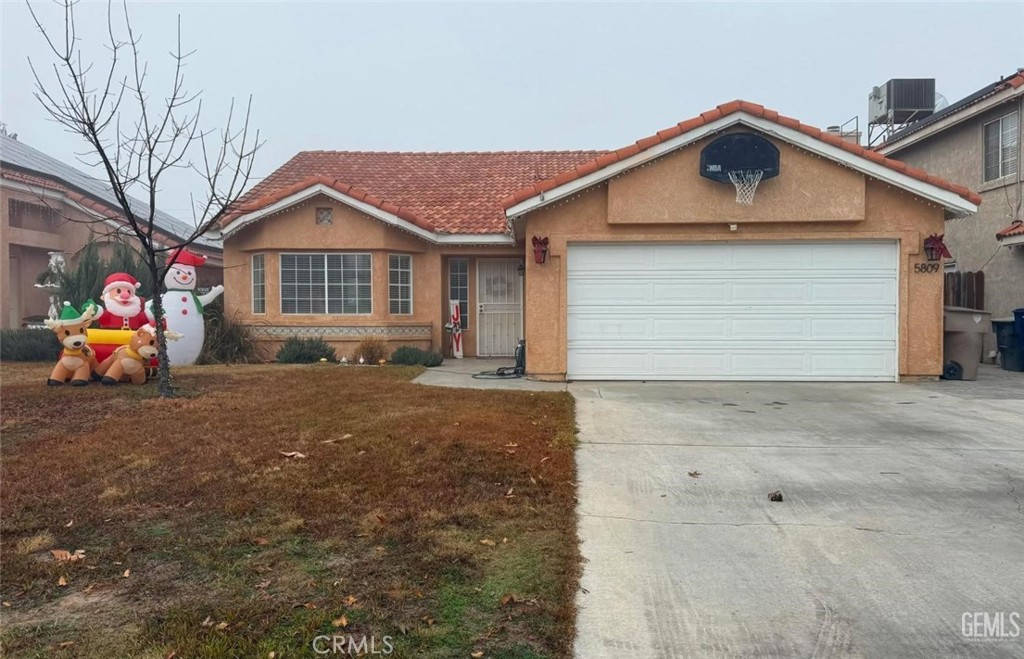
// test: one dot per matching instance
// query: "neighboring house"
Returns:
(652, 272)
(977, 142)
(49, 206)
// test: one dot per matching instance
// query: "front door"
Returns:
(499, 308)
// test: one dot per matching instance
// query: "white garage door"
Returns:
(732, 311)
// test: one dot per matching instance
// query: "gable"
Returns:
(956, 199)
(671, 190)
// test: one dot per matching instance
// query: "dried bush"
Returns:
(371, 349)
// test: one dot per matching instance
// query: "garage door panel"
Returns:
(730, 311)
(689, 293)
(688, 328)
(610, 293)
(854, 292)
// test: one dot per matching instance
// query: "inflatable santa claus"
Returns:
(122, 308)
(183, 309)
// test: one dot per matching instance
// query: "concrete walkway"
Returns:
(903, 509)
(460, 372)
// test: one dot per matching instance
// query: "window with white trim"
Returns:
(259, 284)
(458, 286)
(1002, 146)
(326, 283)
(399, 283)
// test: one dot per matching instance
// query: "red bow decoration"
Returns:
(935, 242)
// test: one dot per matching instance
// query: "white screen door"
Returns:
(500, 307)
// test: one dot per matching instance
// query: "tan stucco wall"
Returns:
(295, 230)
(643, 197)
(957, 154)
(23, 251)
(888, 213)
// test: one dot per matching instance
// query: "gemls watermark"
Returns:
(353, 645)
(990, 626)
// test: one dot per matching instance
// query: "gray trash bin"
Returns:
(963, 340)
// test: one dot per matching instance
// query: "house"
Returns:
(976, 142)
(48, 206)
(643, 269)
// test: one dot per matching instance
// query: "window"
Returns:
(458, 286)
(259, 284)
(1001, 146)
(326, 283)
(325, 216)
(399, 283)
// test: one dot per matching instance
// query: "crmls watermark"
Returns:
(351, 645)
(982, 625)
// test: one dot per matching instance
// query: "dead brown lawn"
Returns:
(443, 519)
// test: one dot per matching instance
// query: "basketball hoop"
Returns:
(743, 159)
(746, 181)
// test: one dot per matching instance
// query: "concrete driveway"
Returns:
(903, 510)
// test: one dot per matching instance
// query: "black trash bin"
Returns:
(1010, 342)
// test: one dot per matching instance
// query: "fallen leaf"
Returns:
(488, 542)
(350, 600)
(504, 541)
(263, 584)
(222, 625)
(428, 620)
(340, 622)
(477, 654)
(511, 445)
(508, 598)
(6, 603)
(65, 644)
(693, 474)
(545, 459)
(127, 573)
(207, 622)
(68, 525)
(262, 541)
(510, 490)
(292, 454)
(62, 581)
(64, 556)
(172, 654)
(272, 655)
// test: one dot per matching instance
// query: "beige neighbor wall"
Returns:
(811, 199)
(295, 230)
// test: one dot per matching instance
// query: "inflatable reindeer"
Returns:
(128, 363)
(77, 360)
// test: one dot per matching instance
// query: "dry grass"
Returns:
(440, 505)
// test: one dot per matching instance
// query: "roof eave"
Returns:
(964, 114)
(951, 201)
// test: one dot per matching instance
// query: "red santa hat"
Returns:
(182, 256)
(122, 279)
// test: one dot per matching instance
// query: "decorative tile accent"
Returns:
(341, 331)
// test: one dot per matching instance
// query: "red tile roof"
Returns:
(469, 192)
(1015, 229)
(724, 110)
(440, 192)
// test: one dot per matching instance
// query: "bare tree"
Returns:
(137, 138)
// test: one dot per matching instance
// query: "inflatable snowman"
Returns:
(183, 309)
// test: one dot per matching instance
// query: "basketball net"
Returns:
(746, 181)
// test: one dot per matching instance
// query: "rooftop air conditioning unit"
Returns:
(901, 101)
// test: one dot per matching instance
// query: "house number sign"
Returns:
(927, 267)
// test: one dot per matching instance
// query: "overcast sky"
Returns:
(417, 77)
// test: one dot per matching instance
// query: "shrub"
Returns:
(410, 356)
(372, 350)
(305, 351)
(227, 341)
(28, 345)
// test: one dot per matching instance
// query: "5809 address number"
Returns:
(927, 267)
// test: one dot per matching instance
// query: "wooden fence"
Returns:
(965, 289)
